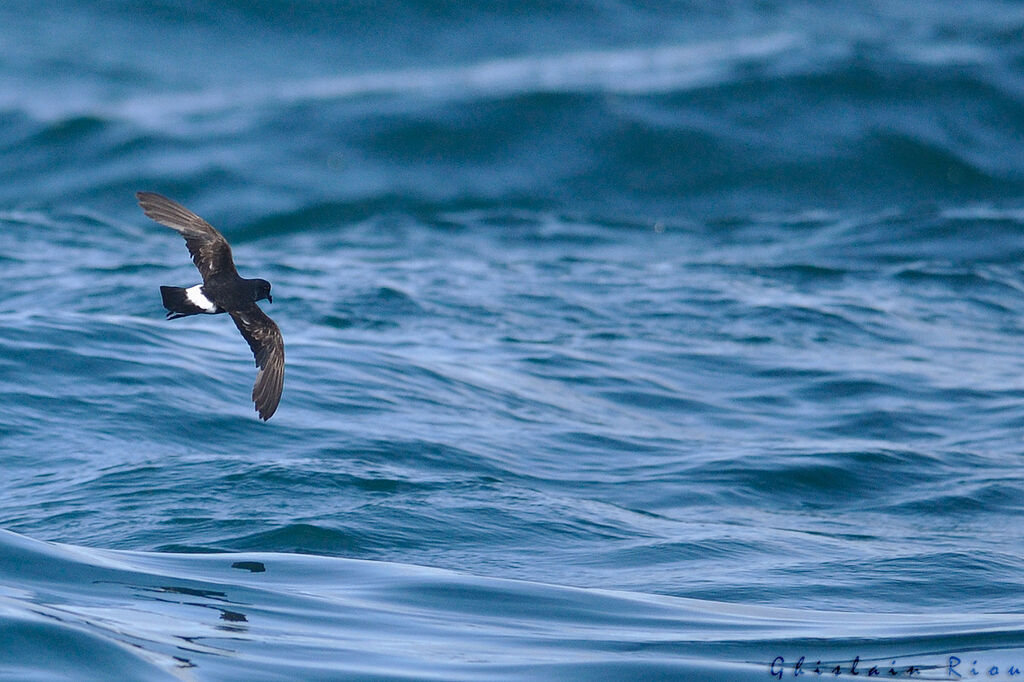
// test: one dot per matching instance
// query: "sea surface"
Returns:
(625, 341)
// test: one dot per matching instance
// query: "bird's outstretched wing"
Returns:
(210, 251)
(268, 348)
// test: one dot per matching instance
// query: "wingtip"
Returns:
(148, 201)
(266, 406)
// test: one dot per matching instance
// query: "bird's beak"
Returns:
(270, 299)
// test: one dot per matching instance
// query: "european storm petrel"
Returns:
(223, 291)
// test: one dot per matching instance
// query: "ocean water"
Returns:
(624, 341)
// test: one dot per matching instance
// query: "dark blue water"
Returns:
(676, 341)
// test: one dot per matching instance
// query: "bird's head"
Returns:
(261, 290)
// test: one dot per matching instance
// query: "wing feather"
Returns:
(264, 338)
(210, 251)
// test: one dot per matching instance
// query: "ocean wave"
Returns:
(630, 71)
(275, 616)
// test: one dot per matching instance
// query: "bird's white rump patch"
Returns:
(197, 298)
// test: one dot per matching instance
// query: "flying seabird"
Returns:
(223, 291)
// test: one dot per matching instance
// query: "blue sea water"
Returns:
(624, 341)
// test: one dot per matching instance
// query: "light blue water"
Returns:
(623, 342)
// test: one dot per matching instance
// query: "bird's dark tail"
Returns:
(177, 303)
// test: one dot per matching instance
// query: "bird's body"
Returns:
(223, 290)
(217, 295)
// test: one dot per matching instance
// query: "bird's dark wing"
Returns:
(210, 251)
(268, 348)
